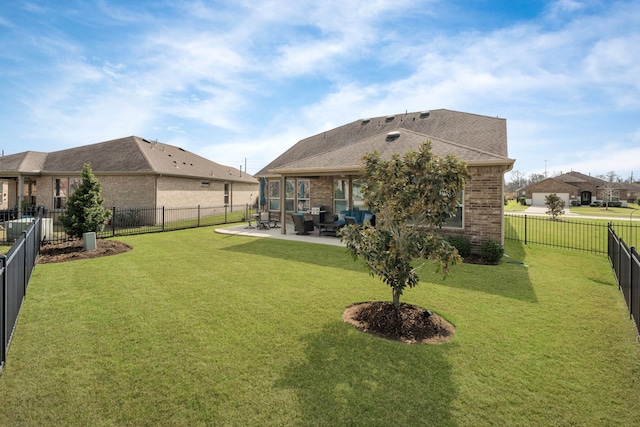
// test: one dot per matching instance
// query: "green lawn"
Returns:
(570, 232)
(514, 206)
(194, 328)
(632, 211)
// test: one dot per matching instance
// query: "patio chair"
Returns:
(249, 219)
(301, 225)
(264, 220)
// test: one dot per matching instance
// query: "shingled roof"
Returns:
(124, 156)
(473, 138)
(28, 162)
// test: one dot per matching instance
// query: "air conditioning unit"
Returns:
(14, 228)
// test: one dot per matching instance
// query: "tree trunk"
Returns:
(396, 298)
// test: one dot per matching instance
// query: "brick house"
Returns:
(574, 188)
(134, 173)
(323, 170)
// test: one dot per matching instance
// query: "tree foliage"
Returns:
(612, 183)
(84, 212)
(411, 196)
(555, 205)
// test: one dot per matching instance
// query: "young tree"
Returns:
(411, 197)
(610, 187)
(555, 205)
(84, 212)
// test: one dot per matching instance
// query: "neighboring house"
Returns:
(323, 170)
(575, 188)
(134, 173)
(633, 192)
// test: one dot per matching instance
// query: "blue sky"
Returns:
(236, 80)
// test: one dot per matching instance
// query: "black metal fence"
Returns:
(576, 234)
(625, 262)
(15, 271)
(129, 221)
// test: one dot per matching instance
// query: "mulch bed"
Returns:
(74, 249)
(409, 324)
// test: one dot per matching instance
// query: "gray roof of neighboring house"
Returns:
(558, 182)
(125, 156)
(577, 177)
(473, 138)
(28, 162)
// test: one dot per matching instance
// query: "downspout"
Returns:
(20, 194)
(283, 209)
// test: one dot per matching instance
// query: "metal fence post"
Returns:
(525, 229)
(198, 215)
(113, 222)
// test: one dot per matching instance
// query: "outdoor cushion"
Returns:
(359, 216)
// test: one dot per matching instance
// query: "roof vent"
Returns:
(390, 118)
(424, 114)
(365, 121)
(393, 135)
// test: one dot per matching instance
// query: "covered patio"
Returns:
(276, 233)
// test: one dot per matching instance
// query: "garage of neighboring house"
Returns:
(539, 199)
(536, 194)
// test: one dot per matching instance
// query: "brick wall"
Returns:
(139, 191)
(322, 194)
(483, 206)
(554, 186)
(123, 191)
(128, 191)
(181, 192)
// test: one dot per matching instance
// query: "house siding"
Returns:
(483, 207)
(321, 194)
(554, 186)
(128, 191)
(180, 192)
(148, 191)
(483, 204)
(121, 191)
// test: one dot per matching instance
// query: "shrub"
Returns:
(522, 201)
(554, 204)
(491, 251)
(84, 212)
(462, 244)
(615, 204)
